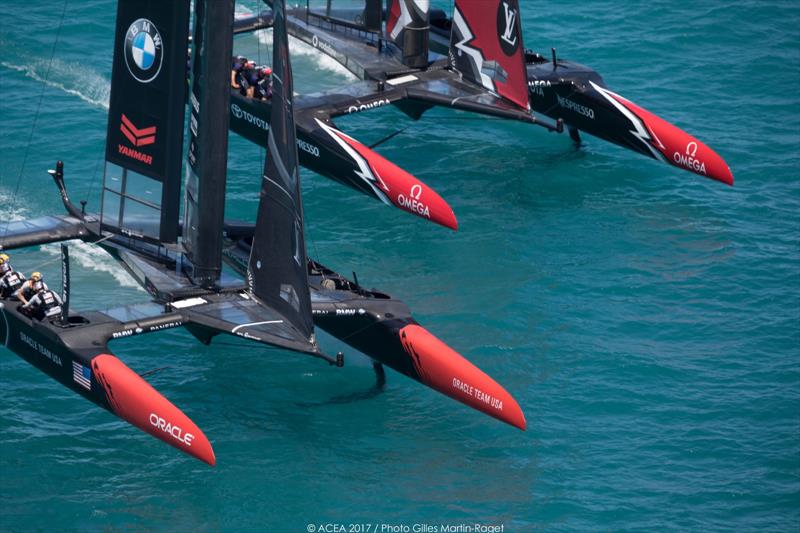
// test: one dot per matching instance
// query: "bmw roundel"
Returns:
(143, 50)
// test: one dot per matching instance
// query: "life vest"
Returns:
(263, 88)
(11, 282)
(49, 306)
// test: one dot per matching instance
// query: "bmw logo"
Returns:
(143, 50)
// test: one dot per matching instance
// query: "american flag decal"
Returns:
(82, 375)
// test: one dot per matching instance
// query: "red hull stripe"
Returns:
(446, 371)
(679, 148)
(135, 401)
(404, 190)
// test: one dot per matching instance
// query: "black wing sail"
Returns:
(142, 184)
(373, 15)
(277, 272)
(207, 156)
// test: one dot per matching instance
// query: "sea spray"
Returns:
(89, 256)
(71, 77)
(301, 48)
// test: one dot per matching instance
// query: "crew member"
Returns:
(263, 85)
(247, 79)
(44, 302)
(236, 71)
(31, 287)
(10, 280)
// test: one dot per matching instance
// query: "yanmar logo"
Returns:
(138, 138)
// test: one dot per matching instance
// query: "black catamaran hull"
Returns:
(325, 150)
(281, 294)
(568, 93)
(578, 96)
(77, 356)
(383, 328)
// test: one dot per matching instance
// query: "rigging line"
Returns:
(343, 339)
(250, 346)
(266, 61)
(258, 40)
(36, 115)
(316, 254)
(109, 236)
(356, 332)
(262, 153)
(94, 177)
(313, 244)
(388, 138)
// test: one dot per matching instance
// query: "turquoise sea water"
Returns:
(647, 320)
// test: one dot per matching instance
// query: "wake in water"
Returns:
(86, 255)
(71, 77)
(9, 211)
(93, 88)
(297, 47)
(91, 257)
(301, 48)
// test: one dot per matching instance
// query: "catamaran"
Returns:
(416, 58)
(279, 295)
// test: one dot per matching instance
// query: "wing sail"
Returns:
(373, 15)
(277, 271)
(142, 183)
(207, 155)
(407, 27)
(486, 47)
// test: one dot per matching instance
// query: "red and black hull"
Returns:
(76, 355)
(578, 96)
(327, 151)
(568, 92)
